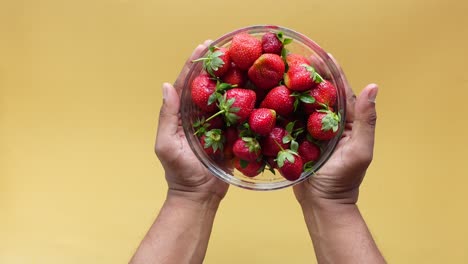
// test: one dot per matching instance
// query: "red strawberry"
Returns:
(301, 77)
(235, 76)
(217, 62)
(293, 59)
(238, 105)
(290, 164)
(231, 136)
(271, 162)
(262, 121)
(247, 148)
(267, 71)
(280, 100)
(249, 169)
(308, 151)
(269, 144)
(324, 94)
(212, 141)
(271, 43)
(202, 88)
(245, 49)
(323, 124)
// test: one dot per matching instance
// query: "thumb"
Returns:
(365, 118)
(168, 119)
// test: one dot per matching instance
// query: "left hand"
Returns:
(185, 174)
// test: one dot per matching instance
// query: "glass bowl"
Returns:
(302, 45)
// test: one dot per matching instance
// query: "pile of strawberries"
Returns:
(263, 107)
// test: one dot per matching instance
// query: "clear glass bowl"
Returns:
(267, 180)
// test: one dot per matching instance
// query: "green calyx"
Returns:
(330, 121)
(284, 155)
(212, 62)
(200, 126)
(308, 166)
(284, 51)
(287, 154)
(214, 139)
(252, 144)
(219, 91)
(226, 109)
(285, 41)
(313, 73)
(292, 134)
(304, 97)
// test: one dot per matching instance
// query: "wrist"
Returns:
(309, 195)
(193, 199)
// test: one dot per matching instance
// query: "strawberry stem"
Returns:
(215, 115)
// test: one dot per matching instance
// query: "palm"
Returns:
(190, 171)
(342, 174)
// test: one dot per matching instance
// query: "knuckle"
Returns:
(364, 158)
(161, 150)
(372, 120)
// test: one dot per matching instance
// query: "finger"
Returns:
(349, 93)
(168, 119)
(178, 84)
(364, 123)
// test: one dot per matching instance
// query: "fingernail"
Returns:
(165, 91)
(373, 93)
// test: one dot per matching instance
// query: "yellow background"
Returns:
(80, 91)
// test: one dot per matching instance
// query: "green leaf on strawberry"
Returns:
(283, 40)
(212, 62)
(330, 121)
(291, 133)
(243, 163)
(214, 139)
(308, 166)
(304, 97)
(284, 155)
(200, 126)
(313, 73)
(252, 144)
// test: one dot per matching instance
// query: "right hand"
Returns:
(339, 179)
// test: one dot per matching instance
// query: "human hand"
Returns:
(339, 179)
(185, 174)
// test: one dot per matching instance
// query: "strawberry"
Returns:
(245, 50)
(262, 121)
(247, 148)
(271, 43)
(272, 162)
(290, 164)
(235, 76)
(231, 136)
(212, 141)
(267, 71)
(243, 102)
(301, 77)
(323, 124)
(249, 169)
(201, 90)
(308, 151)
(280, 100)
(217, 62)
(293, 59)
(324, 94)
(269, 144)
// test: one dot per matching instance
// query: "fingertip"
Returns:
(372, 90)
